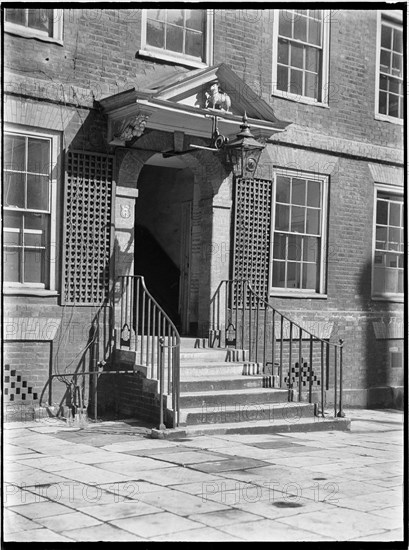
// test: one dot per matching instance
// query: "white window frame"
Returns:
(326, 18)
(28, 32)
(181, 59)
(390, 190)
(296, 292)
(393, 18)
(11, 287)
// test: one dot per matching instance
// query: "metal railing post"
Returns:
(341, 413)
(161, 353)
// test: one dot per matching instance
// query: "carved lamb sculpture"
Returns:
(215, 97)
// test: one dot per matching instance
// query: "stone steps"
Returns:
(250, 427)
(245, 412)
(231, 398)
(220, 382)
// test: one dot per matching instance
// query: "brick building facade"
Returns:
(93, 98)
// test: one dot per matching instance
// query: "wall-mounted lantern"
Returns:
(243, 153)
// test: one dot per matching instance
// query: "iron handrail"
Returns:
(146, 323)
(240, 291)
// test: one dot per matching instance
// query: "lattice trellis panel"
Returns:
(87, 227)
(252, 233)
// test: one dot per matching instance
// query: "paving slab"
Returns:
(224, 517)
(40, 509)
(204, 534)
(174, 476)
(104, 532)
(66, 522)
(229, 464)
(156, 524)
(266, 530)
(338, 523)
(117, 510)
(14, 522)
(76, 495)
(37, 535)
(179, 503)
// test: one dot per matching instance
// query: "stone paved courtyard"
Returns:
(111, 482)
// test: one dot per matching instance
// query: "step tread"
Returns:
(223, 378)
(211, 363)
(233, 408)
(317, 424)
(234, 392)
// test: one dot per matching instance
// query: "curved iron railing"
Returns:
(143, 327)
(242, 319)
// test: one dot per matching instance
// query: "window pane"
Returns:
(14, 153)
(12, 219)
(174, 38)
(37, 192)
(194, 44)
(283, 189)
(300, 28)
(157, 14)
(394, 86)
(397, 64)
(279, 246)
(282, 217)
(314, 32)
(299, 188)
(313, 221)
(314, 193)
(293, 275)
(309, 276)
(294, 247)
(155, 34)
(394, 214)
(282, 78)
(382, 212)
(297, 55)
(381, 238)
(394, 238)
(36, 221)
(296, 82)
(33, 239)
(391, 280)
(33, 266)
(311, 85)
(194, 19)
(40, 19)
(393, 105)
(283, 52)
(310, 249)
(397, 41)
(16, 15)
(382, 103)
(298, 219)
(279, 274)
(312, 55)
(383, 82)
(38, 156)
(11, 264)
(175, 17)
(13, 190)
(285, 24)
(385, 61)
(11, 238)
(386, 37)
